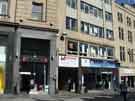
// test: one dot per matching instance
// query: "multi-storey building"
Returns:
(124, 34)
(86, 46)
(28, 34)
(35, 57)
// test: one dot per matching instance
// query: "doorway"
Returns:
(34, 63)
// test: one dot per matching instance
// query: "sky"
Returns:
(126, 1)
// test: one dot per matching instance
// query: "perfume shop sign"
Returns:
(68, 61)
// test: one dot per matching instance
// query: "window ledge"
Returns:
(37, 20)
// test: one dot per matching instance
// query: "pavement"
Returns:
(92, 95)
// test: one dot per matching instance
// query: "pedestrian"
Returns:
(123, 90)
(69, 84)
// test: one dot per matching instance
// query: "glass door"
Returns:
(2, 68)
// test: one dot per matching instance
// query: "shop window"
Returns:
(72, 47)
(83, 49)
(3, 7)
(109, 34)
(72, 3)
(71, 23)
(130, 37)
(120, 17)
(37, 11)
(122, 53)
(108, 16)
(121, 33)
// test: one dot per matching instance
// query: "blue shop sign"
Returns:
(96, 63)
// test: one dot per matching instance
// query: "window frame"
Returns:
(39, 12)
(6, 3)
(74, 51)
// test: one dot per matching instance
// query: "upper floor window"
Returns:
(92, 29)
(131, 55)
(37, 11)
(128, 21)
(110, 52)
(72, 47)
(120, 17)
(83, 49)
(109, 34)
(121, 33)
(93, 50)
(134, 23)
(102, 51)
(3, 7)
(108, 1)
(130, 37)
(108, 16)
(89, 9)
(71, 23)
(122, 53)
(72, 3)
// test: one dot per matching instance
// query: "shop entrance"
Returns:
(68, 79)
(34, 65)
(104, 80)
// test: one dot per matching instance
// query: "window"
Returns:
(108, 1)
(84, 27)
(108, 16)
(109, 34)
(92, 29)
(71, 23)
(128, 21)
(37, 11)
(3, 7)
(110, 52)
(130, 37)
(96, 31)
(102, 51)
(120, 18)
(93, 50)
(83, 49)
(121, 33)
(131, 55)
(134, 23)
(72, 47)
(122, 53)
(72, 3)
(89, 9)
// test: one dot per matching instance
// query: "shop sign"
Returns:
(68, 61)
(98, 63)
(127, 72)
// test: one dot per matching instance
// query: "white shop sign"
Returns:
(85, 62)
(127, 72)
(68, 61)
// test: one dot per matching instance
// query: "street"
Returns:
(85, 97)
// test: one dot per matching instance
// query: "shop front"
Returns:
(99, 74)
(2, 68)
(68, 73)
(128, 75)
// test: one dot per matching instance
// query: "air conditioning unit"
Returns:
(3, 7)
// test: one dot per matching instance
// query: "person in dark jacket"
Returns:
(123, 90)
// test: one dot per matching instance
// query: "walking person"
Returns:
(123, 90)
